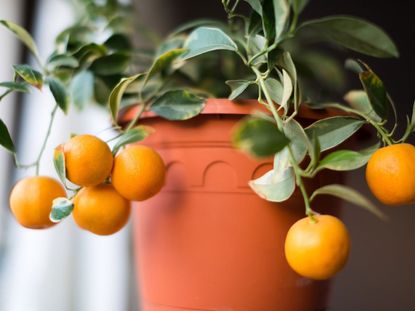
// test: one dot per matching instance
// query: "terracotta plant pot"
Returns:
(207, 242)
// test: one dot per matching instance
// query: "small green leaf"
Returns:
(178, 105)
(353, 33)
(59, 163)
(299, 140)
(259, 137)
(346, 160)
(118, 42)
(115, 97)
(196, 23)
(62, 60)
(163, 62)
(359, 100)
(256, 5)
(314, 151)
(282, 14)
(110, 64)
(206, 39)
(238, 87)
(333, 131)
(59, 92)
(275, 186)
(287, 90)
(61, 208)
(275, 89)
(23, 36)
(16, 86)
(30, 75)
(82, 89)
(89, 53)
(131, 136)
(349, 195)
(286, 62)
(5, 138)
(172, 43)
(376, 92)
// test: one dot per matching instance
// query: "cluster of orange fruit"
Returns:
(108, 184)
(318, 247)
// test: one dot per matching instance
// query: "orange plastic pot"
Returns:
(207, 242)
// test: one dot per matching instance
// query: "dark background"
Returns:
(380, 274)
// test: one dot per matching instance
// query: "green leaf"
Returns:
(333, 131)
(110, 64)
(238, 87)
(278, 184)
(59, 163)
(359, 100)
(115, 97)
(30, 75)
(353, 33)
(376, 92)
(282, 14)
(163, 62)
(23, 36)
(314, 151)
(131, 136)
(349, 195)
(196, 23)
(287, 90)
(299, 140)
(286, 62)
(62, 60)
(178, 105)
(275, 89)
(257, 43)
(206, 39)
(172, 43)
(346, 160)
(15, 86)
(298, 5)
(118, 42)
(275, 186)
(89, 53)
(256, 5)
(59, 92)
(259, 137)
(61, 208)
(82, 89)
(5, 138)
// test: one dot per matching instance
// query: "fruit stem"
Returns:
(42, 149)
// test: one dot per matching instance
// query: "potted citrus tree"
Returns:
(216, 229)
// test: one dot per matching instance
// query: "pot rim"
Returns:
(223, 106)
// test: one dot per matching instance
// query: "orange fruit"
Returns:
(319, 248)
(101, 209)
(138, 173)
(88, 160)
(390, 174)
(31, 201)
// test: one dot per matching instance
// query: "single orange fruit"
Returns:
(101, 209)
(138, 173)
(88, 160)
(319, 248)
(31, 201)
(390, 174)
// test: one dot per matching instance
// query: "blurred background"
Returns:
(66, 269)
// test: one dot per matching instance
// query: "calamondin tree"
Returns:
(263, 54)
